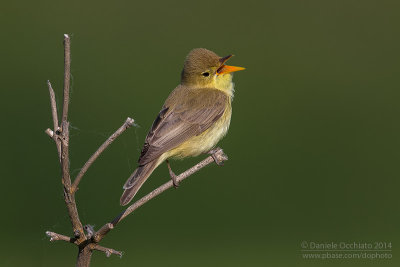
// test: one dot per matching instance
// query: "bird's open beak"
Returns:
(226, 68)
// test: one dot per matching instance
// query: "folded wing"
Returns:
(180, 120)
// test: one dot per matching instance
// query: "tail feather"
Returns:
(136, 180)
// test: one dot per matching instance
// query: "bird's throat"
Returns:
(224, 83)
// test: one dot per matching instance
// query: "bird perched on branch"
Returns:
(195, 116)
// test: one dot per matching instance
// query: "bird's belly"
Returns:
(205, 141)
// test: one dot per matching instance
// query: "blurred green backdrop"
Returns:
(313, 145)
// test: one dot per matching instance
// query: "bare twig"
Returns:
(53, 106)
(128, 123)
(49, 132)
(107, 251)
(56, 127)
(67, 75)
(218, 154)
(55, 237)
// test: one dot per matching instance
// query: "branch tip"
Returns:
(67, 76)
(49, 132)
(108, 251)
(130, 122)
(220, 155)
(55, 237)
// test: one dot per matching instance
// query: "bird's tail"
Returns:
(136, 180)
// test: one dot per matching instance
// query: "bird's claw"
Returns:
(175, 181)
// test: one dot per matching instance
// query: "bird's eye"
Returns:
(206, 74)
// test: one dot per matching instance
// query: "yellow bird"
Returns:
(195, 116)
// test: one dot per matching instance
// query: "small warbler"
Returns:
(195, 116)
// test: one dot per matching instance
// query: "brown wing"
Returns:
(180, 120)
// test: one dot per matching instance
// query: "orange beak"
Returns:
(226, 68)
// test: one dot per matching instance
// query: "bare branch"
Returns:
(56, 237)
(84, 256)
(60, 134)
(69, 198)
(107, 251)
(58, 144)
(128, 123)
(218, 154)
(67, 75)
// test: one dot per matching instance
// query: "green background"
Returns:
(313, 145)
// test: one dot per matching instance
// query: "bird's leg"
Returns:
(218, 156)
(173, 175)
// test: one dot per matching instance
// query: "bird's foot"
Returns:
(218, 156)
(173, 176)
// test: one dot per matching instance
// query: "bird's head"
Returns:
(204, 68)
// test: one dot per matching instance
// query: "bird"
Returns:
(194, 117)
